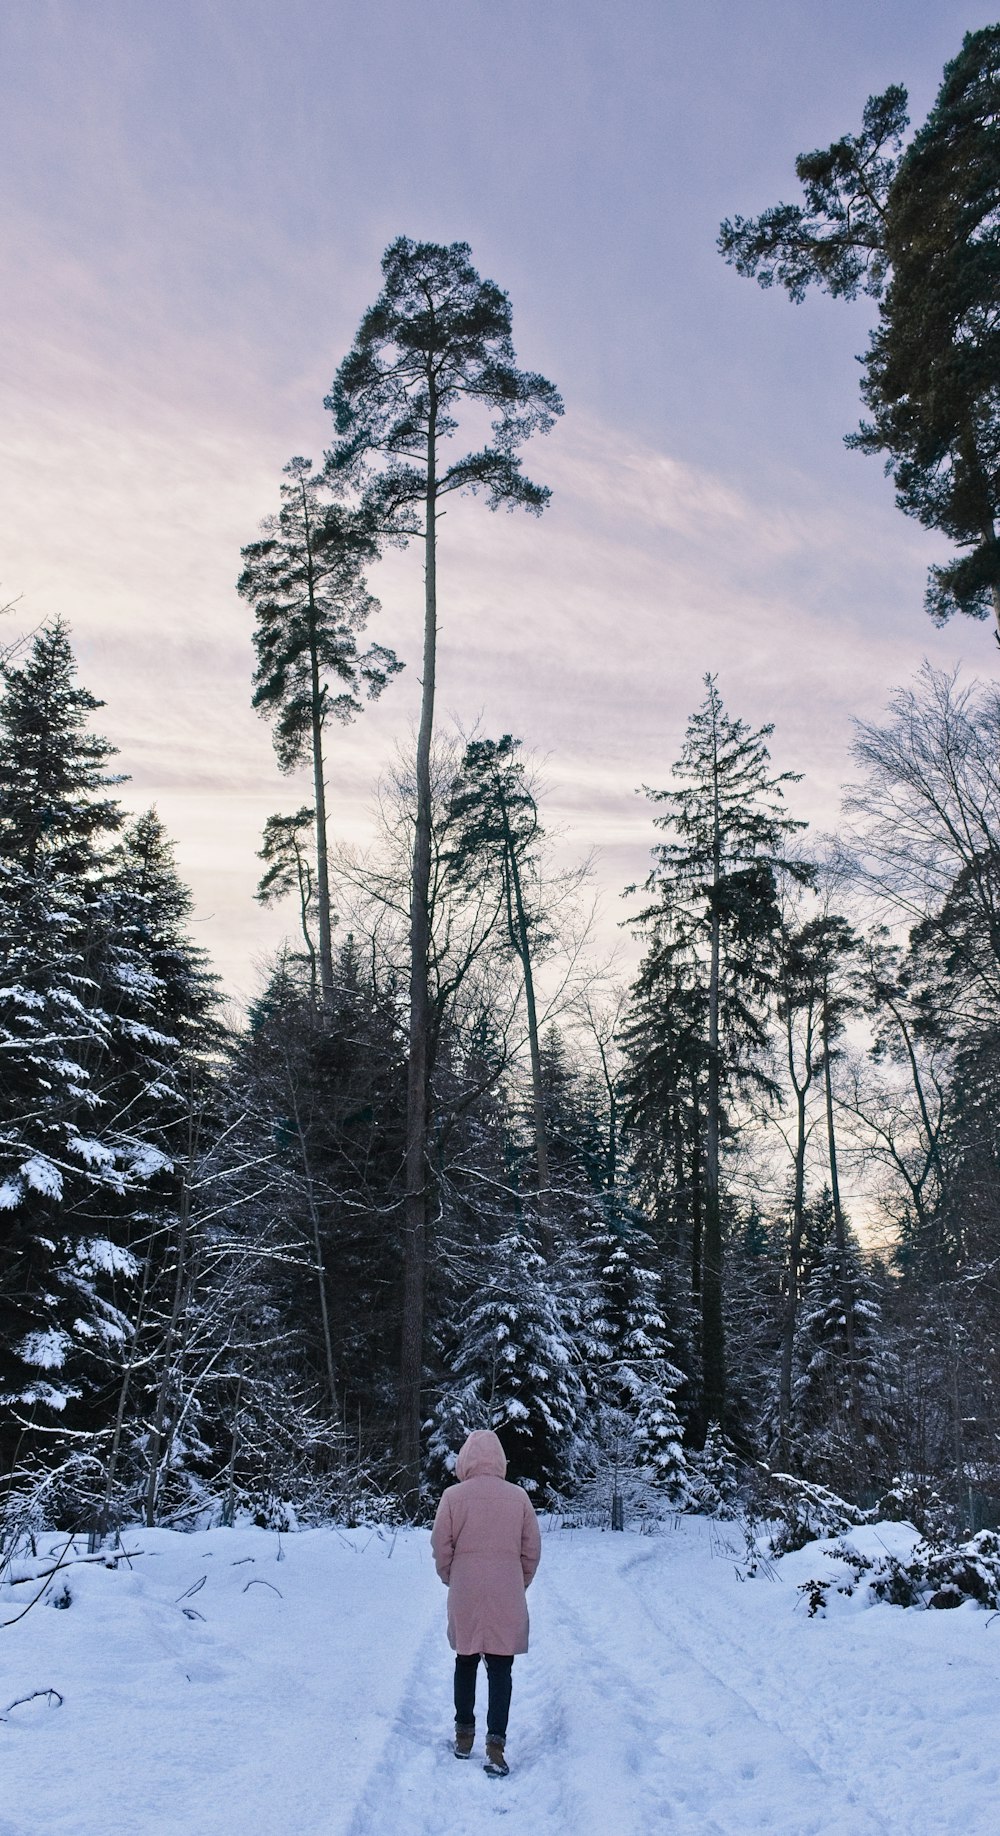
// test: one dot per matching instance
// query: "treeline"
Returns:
(640, 1244)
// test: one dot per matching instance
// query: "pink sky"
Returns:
(196, 199)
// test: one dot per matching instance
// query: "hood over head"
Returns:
(481, 1457)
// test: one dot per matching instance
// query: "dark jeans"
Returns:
(498, 1671)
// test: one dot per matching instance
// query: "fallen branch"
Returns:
(258, 1581)
(105, 1555)
(18, 1700)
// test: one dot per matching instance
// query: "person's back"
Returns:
(486, 1548)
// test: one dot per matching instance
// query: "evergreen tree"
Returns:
(437, 340)
(916, 230)
(63, 1158)
(715, 1480)
(305, 581)
(288, 863)
(664, 1094)
(843, 1384)
(627, 1349)
(161, 1075)
(498, 830)
(105, 1009)
(513, 1369)
(715, 884)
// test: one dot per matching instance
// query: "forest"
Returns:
(728, 1225)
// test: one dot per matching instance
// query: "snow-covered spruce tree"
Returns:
(513, 1368)
(69, 1161)
(161, 1074)
(63, 1159)
(100, 1018)
(714, 1475)
(629, 1371)
(845, 1383)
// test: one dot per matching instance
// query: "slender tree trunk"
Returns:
(415, 1203)
(322, 865)
(229, 1508)
(524, 952)
(305, 899)
(116, 1438)
(170, 1341)
(697, 1207)
(324, 1311)
(847, 1296)
(791, 1309)
(712, 1336)
(319, 779)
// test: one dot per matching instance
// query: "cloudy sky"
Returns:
(195, 197)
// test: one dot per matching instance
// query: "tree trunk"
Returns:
(712, 1337)
(163, 1387)
(116, 1438)
(840, 1232)
(791, 1310)
(322, 864)
(524, 952)
(324, 1310)
(305, 897)
(229, 1508)
(415, 1202)
(697, 1208)
(319, 781)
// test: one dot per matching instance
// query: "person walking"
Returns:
(486, 1546)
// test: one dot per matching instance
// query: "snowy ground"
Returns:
(661, 1693)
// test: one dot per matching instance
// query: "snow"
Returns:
(46, 1350)
(92, 1153)
(231, 1681)
(42, 1176)
(99, 1256)
(146, 1160)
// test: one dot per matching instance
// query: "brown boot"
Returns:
(496, 1766)
(464, 1737)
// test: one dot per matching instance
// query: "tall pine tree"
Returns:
(436, 342)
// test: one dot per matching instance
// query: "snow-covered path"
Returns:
(661, 1693)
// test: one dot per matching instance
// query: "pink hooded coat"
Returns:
(486, 1549)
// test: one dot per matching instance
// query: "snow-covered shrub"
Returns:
(64, 1497)
(910, 1500)
(928, 1575)
(644, 1505)
(943, 1577)
(803, 1512)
